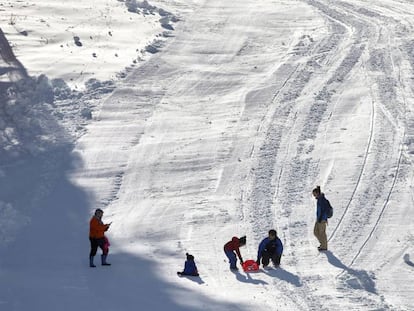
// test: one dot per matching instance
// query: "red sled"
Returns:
(250, 266)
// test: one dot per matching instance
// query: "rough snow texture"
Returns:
(229, 114)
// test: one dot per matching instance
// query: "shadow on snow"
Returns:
(46, 266)
(356, 279)
(247, 278)
(44, 244)
(408, 261)
(286, 276)
(280, 273)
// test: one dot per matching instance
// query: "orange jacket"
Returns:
(97, 228)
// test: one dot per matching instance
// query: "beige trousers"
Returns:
(320, 232)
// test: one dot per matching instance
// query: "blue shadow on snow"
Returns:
(356, 279)
(408, 261)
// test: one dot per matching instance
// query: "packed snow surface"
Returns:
(190, 122)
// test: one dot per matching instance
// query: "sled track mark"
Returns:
(325, 95)
(332, 13)
(366, 14)
(263, 172)
(274, 122)
(371, 142)
(272, 125)
(396, 175)
(363, 167)
(397, 170)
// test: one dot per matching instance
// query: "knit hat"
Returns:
(242, 240)
(189, 257)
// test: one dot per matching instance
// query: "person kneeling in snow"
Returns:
(190, 267)
(270, 248)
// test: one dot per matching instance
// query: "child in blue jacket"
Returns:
(190, 267)
(270, 248)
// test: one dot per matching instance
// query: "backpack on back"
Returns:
(329, 209)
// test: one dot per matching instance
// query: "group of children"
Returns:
(270, 249)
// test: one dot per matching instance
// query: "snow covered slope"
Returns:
(246, 107)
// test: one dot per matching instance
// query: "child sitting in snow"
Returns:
(190, 267)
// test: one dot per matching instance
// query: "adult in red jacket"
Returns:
(232, 248)
(97, 237)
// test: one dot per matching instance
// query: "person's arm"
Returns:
(260, 250)
(186, 267)
(279, 247)
(237, 248)
(318, 211)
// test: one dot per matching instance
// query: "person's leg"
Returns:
(276, 259)
(92, 253)
(106, 247)
(320, 233)
(316, 232)
(101, 243)
(232, 259)
(265, 259)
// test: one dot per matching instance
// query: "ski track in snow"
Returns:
(276, 182)
(230, 126)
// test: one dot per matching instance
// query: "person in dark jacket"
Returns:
(97, 238)
(190, 267)
(232, 248)
(321, 218)
(271, 247)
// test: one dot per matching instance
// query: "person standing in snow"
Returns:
(190, 267)
(232, 248)
(270, 247)
(319, 230)
(97, 238)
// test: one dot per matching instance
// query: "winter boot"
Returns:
(91, 264)
(103, 259)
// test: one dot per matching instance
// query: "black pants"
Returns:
(266, 256)
(95, 243)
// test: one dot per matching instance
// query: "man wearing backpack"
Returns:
(322, 214)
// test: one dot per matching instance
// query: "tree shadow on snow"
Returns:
(44, 226)
(408, 261)
(132, 283)
(46, 266)
(356, 279)
(44, 246)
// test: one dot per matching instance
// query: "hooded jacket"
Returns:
(321, 208)
(190, 267)
(271, 246)
(233, 245)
